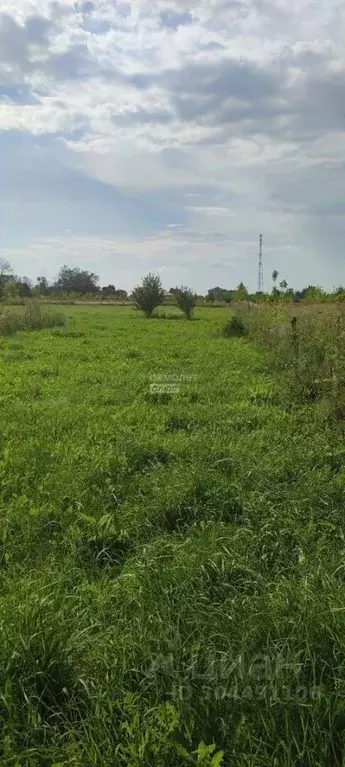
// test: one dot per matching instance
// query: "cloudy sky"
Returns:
(165, 135)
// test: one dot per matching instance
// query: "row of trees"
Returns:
(280, 290)
(150, 294)
(72, 281)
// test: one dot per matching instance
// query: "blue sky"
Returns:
(165, 135)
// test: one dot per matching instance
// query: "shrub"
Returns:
(186, 301)
(31, 317)
(235, 327)
(149, 294)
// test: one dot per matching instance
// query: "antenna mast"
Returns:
(261, 269)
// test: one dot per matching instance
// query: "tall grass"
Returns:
(31, 317)
(172, 579)
(307, 342)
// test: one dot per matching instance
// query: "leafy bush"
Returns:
(235, 327)
(149, 294)
(186, 301)
(31, 317)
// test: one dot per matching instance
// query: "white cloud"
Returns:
(233, 104)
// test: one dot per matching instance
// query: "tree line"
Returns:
(70, 280)
(73, 281)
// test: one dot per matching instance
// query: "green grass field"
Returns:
(172, 564)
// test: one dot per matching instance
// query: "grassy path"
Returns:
(172, 567)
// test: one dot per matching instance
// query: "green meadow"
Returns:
(171, 547)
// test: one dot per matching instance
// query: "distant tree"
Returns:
(75, 280)
(186, 301)
(5, 274)
(5, 267)
(313, 293)
(283, 285)
(220, 294)
(149, 294)
(42, 286)
(10, 290)
(305, 291)
(24, 288)
(241, 292)
(108, 290)
(275, 290)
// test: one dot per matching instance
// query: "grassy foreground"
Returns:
(172, 564)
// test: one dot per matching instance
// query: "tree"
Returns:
(108, 290)
(5, 273)
(283, 284)
(275, 290)
(24, 288)
(220, 294)
(313, 293)
(5, 267)
(10, 290)
(241, 292)
(42, 287)
(149, 294)
(75, 280)
(186, 301)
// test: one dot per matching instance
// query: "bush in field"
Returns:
(235, 327)
(149, 294)
(31, 317)
(186, 301)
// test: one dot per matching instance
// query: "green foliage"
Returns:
(241, 293)
(75, 280)
(5, 274)
(42, 286)
(149, 295)
(30, 317)
(172, 570)
(186, 301)
(235, 327)
(221, 295)
(109, 291)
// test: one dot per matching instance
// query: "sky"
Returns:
(166, 135)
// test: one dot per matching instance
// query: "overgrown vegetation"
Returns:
(235, 327)
(172, 563)
(307, 344)
(31, 317)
